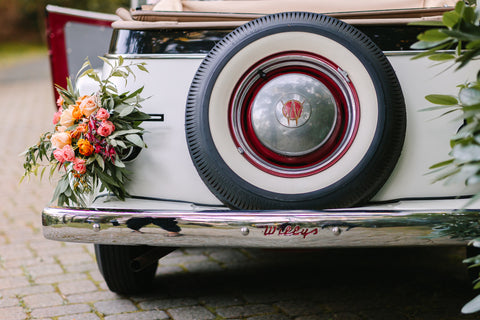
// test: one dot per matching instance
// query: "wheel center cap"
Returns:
(293, 111)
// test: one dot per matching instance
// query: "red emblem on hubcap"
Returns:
(292, 110)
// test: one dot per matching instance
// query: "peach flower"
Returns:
(67, 119)
(102, 114)
(88, 105)
(84, 147)
(79, 166)
(106, 128)
(60, 139)
(81, 128)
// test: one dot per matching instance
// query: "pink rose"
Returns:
(67, 119)
(79, 166)
(60, 139)
(56, 116)
(88, 105)
(60, 101)
(68, 153)
(59, 155)
(102, 114)
(106, 128)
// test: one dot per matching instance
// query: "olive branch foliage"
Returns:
(456, 38)
(102, 173)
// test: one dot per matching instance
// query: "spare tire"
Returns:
(295, 111)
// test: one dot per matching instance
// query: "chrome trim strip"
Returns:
(263, 229)
(156, 56)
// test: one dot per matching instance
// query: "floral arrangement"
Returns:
(92, 134)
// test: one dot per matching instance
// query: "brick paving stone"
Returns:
(75, 258)
(270, 317)
(80, 286)
(115, 306)
(43, 300)
(8, 302)
(60, 310)
(221, 301)
(166, 303)
(13, 282)
(81, 316)
(43, 269)
(191, 313)
(203, 266)
(61, 278)
(92, 297)
(12, 313)
(297, 307)
(142, 315)
(245, 311)
(179, 260)
(23, 291)
(83, 267)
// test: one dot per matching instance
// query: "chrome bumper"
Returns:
(392, 225)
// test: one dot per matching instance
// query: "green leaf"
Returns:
(441, 99)
(126, 111)
(141, 67)
(118, 162)
(450, 19)
(442, 164)
(442, 57)
(135, 139)
(100, 161)
(469, 96)
(466, 153)
(472, 306)
(120, 60)
(433, 35)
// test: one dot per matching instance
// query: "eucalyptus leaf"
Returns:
(126, 111)
(472, 306)
(441, 99)
(469, 96)
(466, 153)
(135, 139)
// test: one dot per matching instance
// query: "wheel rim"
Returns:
(293, 114)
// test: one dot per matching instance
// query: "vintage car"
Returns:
(274, 124)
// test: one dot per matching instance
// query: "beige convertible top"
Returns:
(233, 13)
(274, 6)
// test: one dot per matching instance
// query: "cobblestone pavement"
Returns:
(42, 279)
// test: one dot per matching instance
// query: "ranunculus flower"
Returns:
(61, 139)
(59, 155)
(106, 128)
(67, 119)
(56, 116)
(68, 153)
(81, 128)
(60, 101)
(77, 113)
(88, 105)
(79, 165)
(85, 147)
(102, 114)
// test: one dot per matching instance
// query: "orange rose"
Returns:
(88, 105)
(67, 119)
(84, 147)
(61, 139)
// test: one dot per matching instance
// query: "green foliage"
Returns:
(459, 31)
